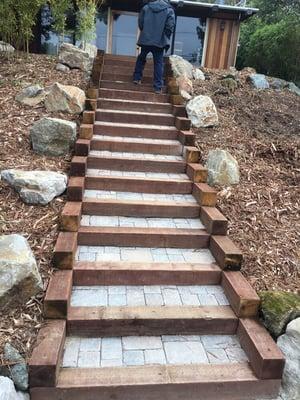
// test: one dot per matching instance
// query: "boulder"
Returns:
(53, 136)
(181, 67)
(31, 95)
(19, 275)
(222, 168)
(198, 75)
(89, 48)
(185, 86)
(8, 391)
(65, 98)
(289, 343)
(74, 57)
(294, 88)
(259, 81)
(202, 112)
(278, 309)
(278, 84)
(36, 187)
(6, 47)
(230, 84)
(62, 68)
(18, 369)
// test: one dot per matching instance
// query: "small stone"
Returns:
(53, 136)
(198, 75)
(19, 275)
(230, 84)
(69, 99)
(278, 309)
(294, 88)
(36, 187)
(202, 112)
(259, 81)
(6, 47)
(278, 84)
(181, 67)
(222, 167)
(31, 95)
(289, 343)
(18, 369)
(62, 67)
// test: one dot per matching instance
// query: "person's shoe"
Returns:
(137, 82)
(157, 91)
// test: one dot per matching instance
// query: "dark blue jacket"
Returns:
(156, 23)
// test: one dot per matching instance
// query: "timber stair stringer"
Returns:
(93, 172)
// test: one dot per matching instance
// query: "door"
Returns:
(123, 33)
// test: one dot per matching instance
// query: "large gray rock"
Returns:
(89, 48)
(31, 95)
(19, 275)
(222, 168)
(202, 112)
(53, 136)
(294, 88)
(259, 81)
(8, 391)
(289, 344)
(18, 369)
(36, 187)
(277, 83)
(6, 47)
(181, 67)
(74, 57)
(70, 99)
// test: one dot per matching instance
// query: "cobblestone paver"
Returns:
(134, 174)
(137, 222)
(94, 296)
(108, 194)
(149, 350)
(136, 156)
(144, 254)
(137, 140)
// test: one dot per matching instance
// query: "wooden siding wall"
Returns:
(222, 41)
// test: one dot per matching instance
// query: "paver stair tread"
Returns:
(114, 195)
(126, 351)
(136, 140)
(138, 156)
(143, 254)
(134, 112)
(137, 175)
(133, 101)
(148, 295)
(139, 222)
(141, 126)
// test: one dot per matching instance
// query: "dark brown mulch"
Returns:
(39, 224)
(261, 129)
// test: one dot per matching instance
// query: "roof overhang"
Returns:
(191, 8)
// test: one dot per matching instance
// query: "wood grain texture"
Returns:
(191, 154)
(226, 253)
(75, 188)
(45, 360)
(78, 166)
(182, 124)
(58, 294)
(71, 216)
(265, 356)
(82, 147)
(187, 138)
(213, 220)
(196, 172)
(205, 194)
(65, 249)
(86, 131)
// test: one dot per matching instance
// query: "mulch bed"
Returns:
(261, 129)
(39, 224)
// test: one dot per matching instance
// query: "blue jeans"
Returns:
(158, 59)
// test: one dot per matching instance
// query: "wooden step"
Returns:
(140, 185)
(137, 273)
(129, 86)
(140, 208)
(143, 237)
(171, 382)
(134, 117)
(134, 105)
(121, 77)
(118, 93)
(126, 321)
(127, 70)
(136, 145)
(135, 130)
(118, 161)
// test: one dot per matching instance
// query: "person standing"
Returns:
(156, 23)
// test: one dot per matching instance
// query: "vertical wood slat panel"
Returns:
(234, 43)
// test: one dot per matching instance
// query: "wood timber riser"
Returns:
(128, 86)
(128, 105)
(127, 70)
(119, 93)
(119, 76)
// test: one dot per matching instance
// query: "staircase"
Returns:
(147, 301)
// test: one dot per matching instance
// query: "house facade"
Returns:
(205, 34)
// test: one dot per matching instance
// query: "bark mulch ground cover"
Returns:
(261, 129)
(39, 224)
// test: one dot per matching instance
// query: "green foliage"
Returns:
(270, 41)
(86, 18)
(59, 9)
(17, 19)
